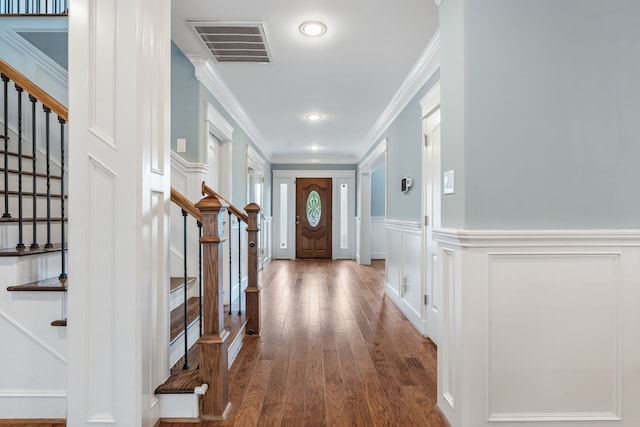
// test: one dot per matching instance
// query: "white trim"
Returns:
(186, 167)
(431, 101)
(255, 160)
(222, 128)
(537, 238)
(34, 338)
(438, 2)
(411, 226)
(55, 393)
(346, 159)
(367, 163)
(313, 173)
(423, 69)
(206, 73)
(47, 64)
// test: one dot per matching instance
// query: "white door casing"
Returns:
(432, 193)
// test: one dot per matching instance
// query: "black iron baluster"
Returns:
(200, 273)
(186, 312)
(63, 273)
(20, 244)
(47, 112)
(230, 264)
(34, 242)
(6, 213)
(239, 269)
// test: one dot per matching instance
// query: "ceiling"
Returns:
(349, 75)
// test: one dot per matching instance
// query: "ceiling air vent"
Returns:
(234, 42)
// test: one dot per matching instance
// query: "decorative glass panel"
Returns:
(314, 208)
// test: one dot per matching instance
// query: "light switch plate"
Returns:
(447, 182)
(181, 145)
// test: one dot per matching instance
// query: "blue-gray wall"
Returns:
(404, 157)
(188, 113)
(550, 113)
(54, 44)
(378, 193)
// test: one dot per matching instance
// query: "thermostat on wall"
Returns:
(406, 184)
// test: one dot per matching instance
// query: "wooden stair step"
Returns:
(62, 322)
(27, 251)
(41, 175)
(47, 285)
(30, 194)
(39, 219)
(183, 381)
(177, 282)
(14, 154)
(177, 316)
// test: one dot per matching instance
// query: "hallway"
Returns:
(333, 351)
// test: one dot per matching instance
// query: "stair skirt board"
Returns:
(176, 348)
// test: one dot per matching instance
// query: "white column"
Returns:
(365, 218)
(119, 103)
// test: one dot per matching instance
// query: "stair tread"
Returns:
(183, 381)
(30, 194)
(26, 252)
(14, 154)
(176, 282)
(42, 175)
(25, 219)
(49, 285)
(177, 316)
(61, 322)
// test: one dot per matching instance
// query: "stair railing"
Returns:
(49, 105)
(252, 292)
(188, 208)
(34, 7)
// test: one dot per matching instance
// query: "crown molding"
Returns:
(423, 69)
(206, 73)
(315, 159)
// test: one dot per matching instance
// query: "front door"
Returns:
(313, 218)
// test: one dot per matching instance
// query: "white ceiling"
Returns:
(349, 75)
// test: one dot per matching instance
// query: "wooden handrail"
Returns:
(34, 90)
(186, 204)
(237, 212)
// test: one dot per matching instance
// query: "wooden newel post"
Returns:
(214, 366)
(252, 292)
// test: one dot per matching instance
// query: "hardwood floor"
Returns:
(334, 351)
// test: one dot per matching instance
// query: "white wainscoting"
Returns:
(404, 270)
(378, 237)
(540, 328)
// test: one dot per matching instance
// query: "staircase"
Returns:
(32, 238)
(33, 291)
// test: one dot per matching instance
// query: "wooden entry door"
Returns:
(313, 218)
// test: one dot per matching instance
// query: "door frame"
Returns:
(430, 104)
(374, 160)
(339, 177)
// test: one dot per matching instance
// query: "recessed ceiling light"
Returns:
(313, 28)
(313, 116)
(314, 148)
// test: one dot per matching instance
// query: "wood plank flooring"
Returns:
(334, 351)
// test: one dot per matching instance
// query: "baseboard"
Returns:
(33, 422)
(416, 321)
